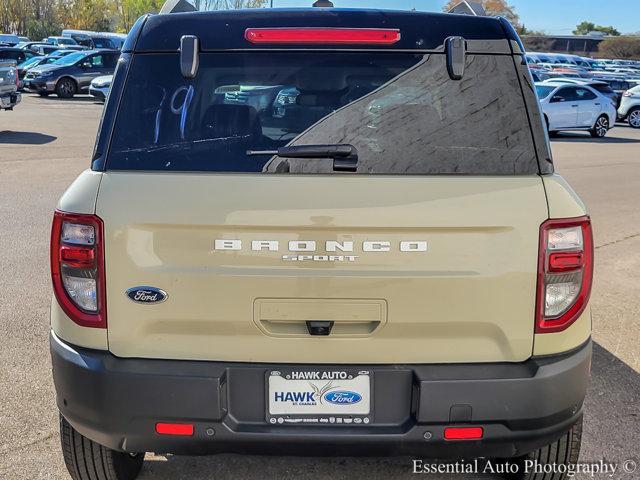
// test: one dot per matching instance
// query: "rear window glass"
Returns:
(544, 91)
(400, 111)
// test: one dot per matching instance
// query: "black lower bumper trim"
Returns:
(521, 407)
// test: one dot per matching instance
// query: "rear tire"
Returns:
(565, 451)
(600, 128)
(66, 88)
(634, 117)
(88, 460)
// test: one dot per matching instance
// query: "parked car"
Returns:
(601, 86)
(71, 74)
(29, 45)
(575, 107)
(62, 41)
(25, 66)
(619, 85)
(629, 109)
(395, 269)
(96, 39)
(16, 54)
(100, 86)
(9, 95)
(539, 75)
(44, 49)
(9, 39)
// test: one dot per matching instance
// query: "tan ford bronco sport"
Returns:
(311, 231)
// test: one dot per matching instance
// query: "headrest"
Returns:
(223, 120)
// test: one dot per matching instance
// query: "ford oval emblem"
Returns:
(342, 397)
(146, 295)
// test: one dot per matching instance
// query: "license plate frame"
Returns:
(346, 396)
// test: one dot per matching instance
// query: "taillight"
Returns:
(565, 271)
(336, 36)
(77, 267)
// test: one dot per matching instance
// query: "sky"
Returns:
(557, 17)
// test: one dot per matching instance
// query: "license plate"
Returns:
(320, 397)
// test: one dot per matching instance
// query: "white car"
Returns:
(100, 87)
(575, 107)
(630, 107)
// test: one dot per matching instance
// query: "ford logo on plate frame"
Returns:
(342, 397)
(145, 294)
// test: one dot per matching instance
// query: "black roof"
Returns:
(224, 30)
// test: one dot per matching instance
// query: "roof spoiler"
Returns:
(466, 7)
(177, 6)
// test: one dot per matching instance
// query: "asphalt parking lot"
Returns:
(46, 142)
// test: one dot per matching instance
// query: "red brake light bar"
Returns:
(337, 36)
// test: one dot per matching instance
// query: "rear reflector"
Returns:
(463, 433)
(185, 429)
(336, 36)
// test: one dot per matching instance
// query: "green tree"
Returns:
(585, 28)
(494, 8)
(228, 4)
(128, 11)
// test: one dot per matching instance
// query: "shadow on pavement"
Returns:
(579, 137)
(611, 425)
(52, 97)
(25, 138)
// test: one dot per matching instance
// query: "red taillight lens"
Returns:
(565, 271)
(562, 262)
(184, 429)
(77, 267)
(335, 36)
(77, 257)
(463, 433)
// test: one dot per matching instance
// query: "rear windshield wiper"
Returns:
(345, 156)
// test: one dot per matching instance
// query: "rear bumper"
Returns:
(39, 86)
(521, 407)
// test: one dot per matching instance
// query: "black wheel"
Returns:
(600, 128)
(43, 94)
(66, 88)
(563, 452)
(634, 117)
(87, 460)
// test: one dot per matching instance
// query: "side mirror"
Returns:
(86, 64)
(557, 98)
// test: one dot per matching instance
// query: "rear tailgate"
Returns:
(427, 252)
(468, 298)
